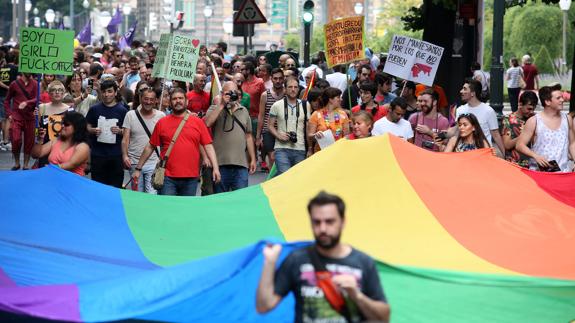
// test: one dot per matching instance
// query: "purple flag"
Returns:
(115, 22)
(85, 35)
(128, 37)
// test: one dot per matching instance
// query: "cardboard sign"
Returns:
(180, 59)
(159, 63)
(412, 59)
(344, 39)
(46, 51)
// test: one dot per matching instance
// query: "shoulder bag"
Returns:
(146, 130)
(160, 170)
(323, 277)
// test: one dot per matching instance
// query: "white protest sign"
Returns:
(177, 57)
(412, 59)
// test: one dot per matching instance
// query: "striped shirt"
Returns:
(270, 100)
(513, 76)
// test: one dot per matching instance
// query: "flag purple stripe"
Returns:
(56, 302)
(5, 281)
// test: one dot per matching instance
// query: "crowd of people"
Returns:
(110, 115)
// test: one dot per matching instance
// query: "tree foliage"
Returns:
(534, 28)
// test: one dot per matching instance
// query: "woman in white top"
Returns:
(514, 77)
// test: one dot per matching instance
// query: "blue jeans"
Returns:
(145, 182)
(287, 158)
(233, 178)
(179, 186)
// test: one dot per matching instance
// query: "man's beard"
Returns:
(180, 111)
(327, 242)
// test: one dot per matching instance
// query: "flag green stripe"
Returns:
(171, 230)
(423, 295)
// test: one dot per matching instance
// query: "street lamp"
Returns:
(208, 11)
(564, 5)
(86, 4)
(228, 25)
(358, 8)
(126, 9)
(28, 7)
(50, 15)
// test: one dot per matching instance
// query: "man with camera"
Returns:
(291, 115)
(232, 135)
(428, 123)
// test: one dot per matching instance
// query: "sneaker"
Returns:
(7, 146)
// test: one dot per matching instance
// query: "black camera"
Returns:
(233, 96)
(428, 144)
(442, 135)
(292, 136)
(554, 167)
(90, 82)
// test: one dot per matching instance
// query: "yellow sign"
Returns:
(344, 39)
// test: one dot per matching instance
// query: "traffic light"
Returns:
(308, 12)
(307, 23)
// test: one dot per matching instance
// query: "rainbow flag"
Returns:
(458, 237)
(310, 85)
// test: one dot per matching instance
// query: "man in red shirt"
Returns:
(254, 86)
(19, 106)
(198, 99)
(183, 164)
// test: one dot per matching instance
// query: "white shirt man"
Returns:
(135, 138)
(394, 123)
(485, 114)
(337, 79)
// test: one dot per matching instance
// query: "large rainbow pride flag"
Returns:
(458, 238)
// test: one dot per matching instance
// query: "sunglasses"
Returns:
(66, 124)
(57, 91)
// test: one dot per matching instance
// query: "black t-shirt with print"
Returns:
(296, 274)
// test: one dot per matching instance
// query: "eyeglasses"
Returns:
(57, 91)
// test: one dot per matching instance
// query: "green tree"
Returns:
(537, 29)
(293, 40)
(390, 16)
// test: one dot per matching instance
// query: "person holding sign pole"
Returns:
(351, 96)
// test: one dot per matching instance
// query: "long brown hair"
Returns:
(478, 136)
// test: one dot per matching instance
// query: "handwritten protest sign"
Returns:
(47, 51)
(159, 63)
(344, 39)
(183, 57)
(412, 59)
(177, 57)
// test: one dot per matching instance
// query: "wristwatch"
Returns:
(138, 169)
